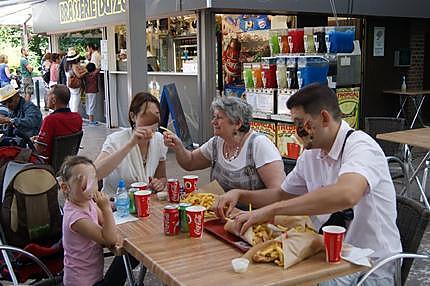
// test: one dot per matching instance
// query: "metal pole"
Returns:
(36, 84)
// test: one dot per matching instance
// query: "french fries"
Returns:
(261, 233)
(201, 199)
(271, 253)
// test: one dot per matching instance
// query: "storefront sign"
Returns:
(72, 11)
(378, 41)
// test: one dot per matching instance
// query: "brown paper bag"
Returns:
(290, 222)
(296, 246)
(213, 187)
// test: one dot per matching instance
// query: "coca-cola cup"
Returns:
(293, 150)
(196, 216)
(173, 190)
(190, 183)
(142, 202)
(140, 185)
(333, 240)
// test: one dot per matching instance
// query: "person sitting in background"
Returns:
(136, 154)
(5, 75)
(59, 123)
(239, 157)
(88, 226)
(24, 115)
(91, 89)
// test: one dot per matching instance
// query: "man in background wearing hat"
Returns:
(24, 115)
(26, 71)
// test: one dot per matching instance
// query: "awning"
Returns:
(16, 12)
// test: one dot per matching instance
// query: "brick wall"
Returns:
(415, 73)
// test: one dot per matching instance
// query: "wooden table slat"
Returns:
(180, 260)
(414, 137)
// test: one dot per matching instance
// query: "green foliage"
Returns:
(12, 35)
(37, 44)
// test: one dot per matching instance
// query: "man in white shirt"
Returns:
(95, 57)
(337, 171)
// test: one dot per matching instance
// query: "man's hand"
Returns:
(225, 204)
(246, 219)
(102, 201)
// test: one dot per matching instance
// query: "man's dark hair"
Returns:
(61, 93)
(314, 98)
(91, 67)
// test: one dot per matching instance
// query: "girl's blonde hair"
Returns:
(66, 168)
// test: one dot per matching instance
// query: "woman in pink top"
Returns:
(53, 70)
(88, 226)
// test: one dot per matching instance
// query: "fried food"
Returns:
(261, 233)
(201, 199)
(271, 253)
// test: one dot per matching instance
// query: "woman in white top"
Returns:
(239, 157)
(73, 68)
(135, 154)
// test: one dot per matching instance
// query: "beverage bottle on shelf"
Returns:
(122, 201)
(403, 87)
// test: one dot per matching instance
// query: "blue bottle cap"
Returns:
(121, 183)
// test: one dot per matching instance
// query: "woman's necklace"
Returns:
(232, 153)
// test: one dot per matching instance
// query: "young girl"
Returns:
(88, 226)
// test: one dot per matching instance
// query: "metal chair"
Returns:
(392, 151)
(412, 221)
(64, 146)
(51, 279)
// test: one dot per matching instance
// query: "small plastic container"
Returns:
(162, 196)
(240, 265)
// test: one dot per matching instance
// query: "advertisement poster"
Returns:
(284, 135)
(349, 104)
(378, 41)
(265, 127)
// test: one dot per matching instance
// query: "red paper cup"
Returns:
(190, 183)
(142, 202)
(293, 150)
(333, 240)
(196, 216)
(140, 185)
(173, 190)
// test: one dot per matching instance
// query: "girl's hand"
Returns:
(102, 201)
(157, 185)
(171, 140)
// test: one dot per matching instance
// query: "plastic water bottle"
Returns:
(122, 201)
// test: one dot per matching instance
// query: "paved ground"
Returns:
(95, 136)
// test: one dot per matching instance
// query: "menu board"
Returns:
(265, 127)
(349, 104)
(284, 135)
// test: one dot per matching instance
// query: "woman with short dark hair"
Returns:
(135, 154)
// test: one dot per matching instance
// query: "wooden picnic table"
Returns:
(180, 260)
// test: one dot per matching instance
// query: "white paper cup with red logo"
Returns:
(196, 216)
(140, 185)
(333, 240)
(142, 199)
(190, 183)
